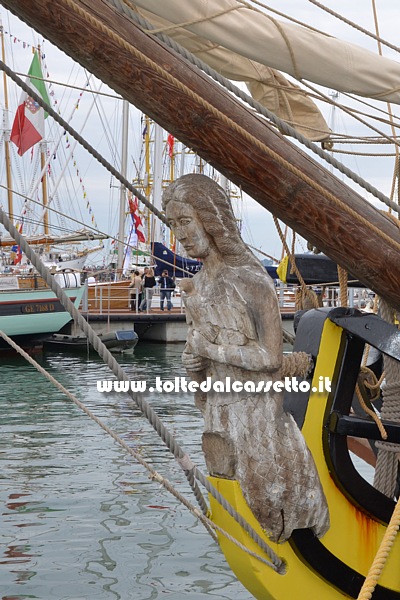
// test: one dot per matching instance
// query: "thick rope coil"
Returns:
(296, 364)
(305, 299)
(375, 386)
(387, 462)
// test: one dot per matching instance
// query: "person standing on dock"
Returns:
(145, 271)
(148, 284)
(167, 286)
(135, 294)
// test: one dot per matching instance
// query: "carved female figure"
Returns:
(235, 331)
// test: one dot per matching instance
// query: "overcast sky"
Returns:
(92, 184)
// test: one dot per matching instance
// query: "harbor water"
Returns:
(80, 518)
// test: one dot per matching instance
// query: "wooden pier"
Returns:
(106, 306)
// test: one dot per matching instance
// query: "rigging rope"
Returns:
(382, 556)
(395, 172)
(298, 172)
(154, 475)
(285, 127)
(305, 290)
(283, 161)
(81, 140)
(387, 463)
(352, 24)
(192, 473)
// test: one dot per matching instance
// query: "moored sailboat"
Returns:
(35, 174)
(30, 311)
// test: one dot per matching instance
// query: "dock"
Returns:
(106, 307)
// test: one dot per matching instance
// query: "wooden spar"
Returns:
(48, 239)
(361, 250)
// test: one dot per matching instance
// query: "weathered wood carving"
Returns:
(235, 332)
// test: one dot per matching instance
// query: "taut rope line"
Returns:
(215, 111)
(154, 475)
(191, 471)
(284, 126)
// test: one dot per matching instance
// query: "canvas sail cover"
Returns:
(245, 44)
(268, 86)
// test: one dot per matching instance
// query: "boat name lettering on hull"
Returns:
(38, 307)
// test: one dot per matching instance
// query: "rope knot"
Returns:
(297, 364)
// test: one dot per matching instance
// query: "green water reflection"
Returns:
(80, 518)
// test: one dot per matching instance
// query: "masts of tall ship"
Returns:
(43, 146)
(122, 198)
(152, 180)
(172, 161)
(162, 160)
(156, 232)
(6, 133)
(147, 172)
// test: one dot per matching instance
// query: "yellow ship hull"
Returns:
(333, 567)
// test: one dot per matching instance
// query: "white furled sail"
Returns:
(268, 86)
(225, 32)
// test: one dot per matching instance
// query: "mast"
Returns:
(52, 152)
(157, 181)
(45, 201)
(43, 164)
(147, 172)
(122, 195)
(172, 167)
(6, 136)
(206, 118)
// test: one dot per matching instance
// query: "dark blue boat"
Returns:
(178, 266)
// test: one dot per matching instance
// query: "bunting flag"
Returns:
(18, 254)
(170, 144)
(28, 126)
(137, 221)
(17, 249)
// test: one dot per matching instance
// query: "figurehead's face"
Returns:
(188, 229)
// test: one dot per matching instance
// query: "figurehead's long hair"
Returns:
(215, 212)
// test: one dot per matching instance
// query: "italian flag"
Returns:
(28, 126)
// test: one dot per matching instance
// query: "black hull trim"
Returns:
(311, 551)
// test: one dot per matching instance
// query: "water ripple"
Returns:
(80, 518)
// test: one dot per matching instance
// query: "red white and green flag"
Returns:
(28, 126)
